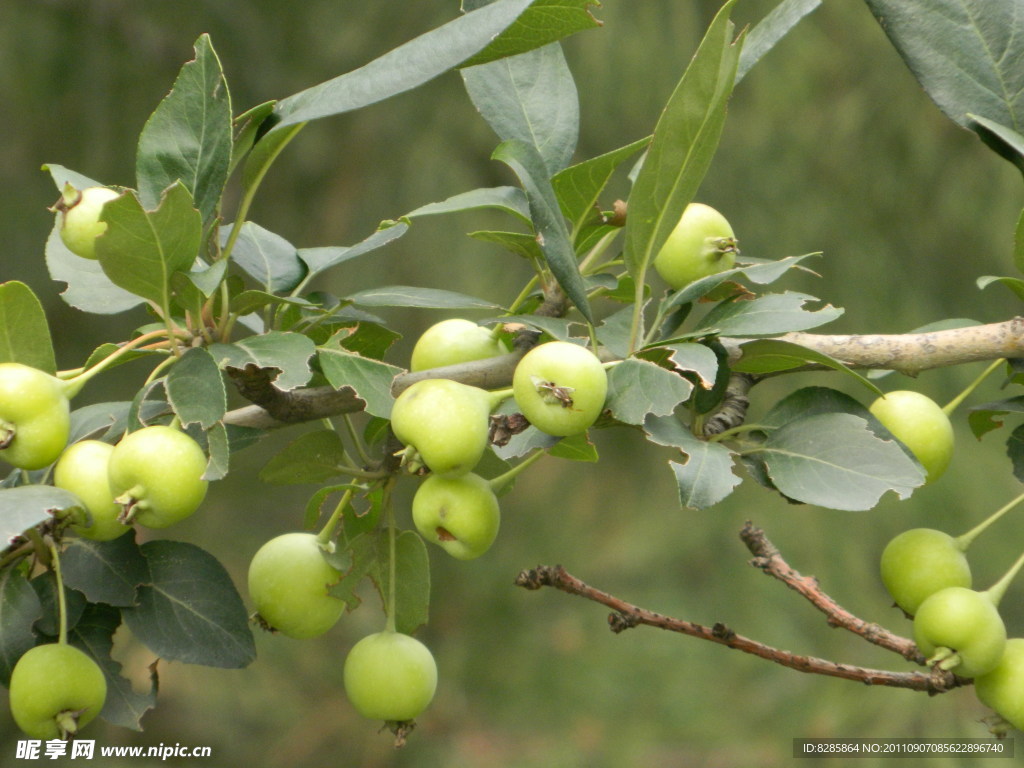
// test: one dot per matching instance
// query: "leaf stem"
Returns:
(524, 294)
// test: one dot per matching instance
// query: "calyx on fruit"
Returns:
(921, 425)
(35, 418)
(390, 676)
(445, 422)
(701, 244)
(156, 475)
(56, 689)
(459, 514)
(454, 341)
(289, 578)
(83, 469)
(80, 217)
(961, 630)
(560, 387)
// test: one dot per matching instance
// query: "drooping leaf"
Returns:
(325, 257)
(548, 221)
(574, 448)
(412, 579)
(29, 505)
(706, 477)
(289, 353)
(105, 571)
(770, 30)
(771, 355)
(88, 287)
(687, 357)
(266, 257)
(766, 315)
(24, 332)
(834, 460)
(195, 389)
(512, 200)
(219, 445)
(531, 97)
(19, 610)
(314, 457)
(637, 388)
(141, 249)
(414, 296)
(189, 610)
(188, 138)
(369, 379)
(985, 417)
(685, 139)
(94, 634)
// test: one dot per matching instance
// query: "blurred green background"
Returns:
(830, 145)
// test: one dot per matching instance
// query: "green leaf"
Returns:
(545, 21)
(1006, 142)
(29, 505)
(19, 610)
(1014, 449)
(965, 53)
(188, 138)
(104, 571)
(195, 389)
(579, 186)
(189, 610)
(314, 457)
(706, 477)
(247, 127)
(687, 357)
(219, 446)
(1014, 284)
(370, 379)
(574, 448)
(637, 388)
(771, 29)
(519, 243)
(984, 417)
(319, 259)
(834, 460)
(509, 199)
(267, 149)
(412, 579)
(766, 315)
(141, 249)
(405, 67)
(24, 332)
(685, 140)
(289, 353)
(1018, 243)
(530, 97)
(94, 634)
(772, 355)
(366, 339)
(414, 296)
(550, 225)
(88, 287)
(266, 257)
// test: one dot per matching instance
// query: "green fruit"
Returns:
(920, 424)
(701, 244)
(446, 422)
(35, 418)
(961, 630)
(289, 577)
(83, 469)
(156, 474)
(560, 388)
(390, 676)
(459, 514)
(55, 691)
(1002, 689)
(80, 220)
(918, 563)
(454, 341)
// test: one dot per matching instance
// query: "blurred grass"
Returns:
(830, 146)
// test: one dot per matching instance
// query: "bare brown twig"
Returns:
(767, 557)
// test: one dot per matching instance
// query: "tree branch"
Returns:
(767, 557)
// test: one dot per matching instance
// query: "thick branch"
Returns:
(770, 560)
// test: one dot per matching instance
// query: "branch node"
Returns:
(620, 622)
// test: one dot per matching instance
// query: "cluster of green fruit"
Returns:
(153, 476)
(927, 573)
(559, 387)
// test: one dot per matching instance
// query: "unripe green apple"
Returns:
(560, 388)
(55, 691)
(80, 218)
(701, 244)
(1002, 689)
(459, 514)
(446, 422)
(390, 676)
(919, 423)
(156, 474)
(918, 563)
(35, 418)
(960, 621)
(83, 469)
(288, 582)
(454, 341)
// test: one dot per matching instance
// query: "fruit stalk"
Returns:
(964, 540)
